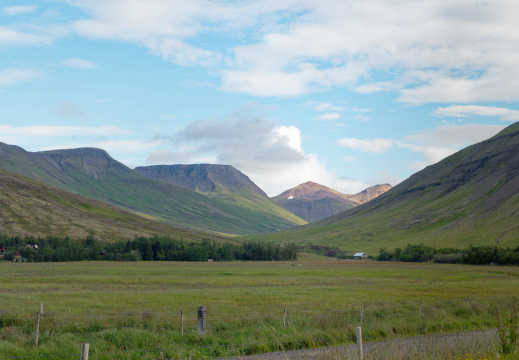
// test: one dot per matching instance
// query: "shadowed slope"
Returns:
(31, 208)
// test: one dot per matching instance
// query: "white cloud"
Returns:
(15, 76)
(79, 64)
(166, 26)
(17, 10)
(329, 116)
(467, 110)
(370, 145)
(454, 136)
(433, 144)
(362, 110)
(432, 154)
(332, 112)
(323, 106)
(435, 51)
(272, 156)
(361, 118)
(9, 37)
(428, 51)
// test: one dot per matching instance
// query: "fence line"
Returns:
(217, 323)
(181, 347)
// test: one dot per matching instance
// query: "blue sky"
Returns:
(348, 94)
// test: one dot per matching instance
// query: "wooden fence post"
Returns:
(37, 330)
(181, 322)
(202, 313)
(468, 300)
(84, 351)
(41, 308)
(284, 317)
(359, 343)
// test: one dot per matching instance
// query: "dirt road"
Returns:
(442, 346)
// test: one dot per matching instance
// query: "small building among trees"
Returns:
(360, 255)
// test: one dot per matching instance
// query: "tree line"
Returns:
(55, 249)
(473, 255)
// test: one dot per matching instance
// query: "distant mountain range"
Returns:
(471, 197)
(93, 173)
(313, 202)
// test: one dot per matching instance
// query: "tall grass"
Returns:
(132, 311)
(146, 334)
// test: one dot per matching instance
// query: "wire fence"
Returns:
(218, 335)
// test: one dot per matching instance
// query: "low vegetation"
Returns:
(132, 310)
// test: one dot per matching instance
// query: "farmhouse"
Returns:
(360, 256)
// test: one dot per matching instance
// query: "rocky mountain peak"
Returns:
(204, 178)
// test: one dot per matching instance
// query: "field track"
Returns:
(392, 349)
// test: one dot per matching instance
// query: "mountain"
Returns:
(370, 193)
(203, 178)
(470, 197)
(313, 202)
(93, 173)
(224, 183)
(32, 208)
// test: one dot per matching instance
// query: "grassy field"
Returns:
(128, 308)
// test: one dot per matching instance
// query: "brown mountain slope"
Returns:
(312, 201)
(370, 193)
(32, 208)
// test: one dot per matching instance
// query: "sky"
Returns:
(345, 93)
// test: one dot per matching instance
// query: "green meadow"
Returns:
(133, 310)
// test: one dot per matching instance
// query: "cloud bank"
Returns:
(428, 51)
(272, 156)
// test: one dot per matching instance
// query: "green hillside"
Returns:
(93, 173)
(471, 197)
(227, 185)
(31, 208)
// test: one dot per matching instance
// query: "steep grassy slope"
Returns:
(31, 208)
(471, 197)
(313, 202)
(93, 173)
(226, 184)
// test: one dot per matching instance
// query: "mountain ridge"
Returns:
(313, 202)
(222, 182)
(92, 172)
(203, 178)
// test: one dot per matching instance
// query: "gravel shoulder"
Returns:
(441, 345)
